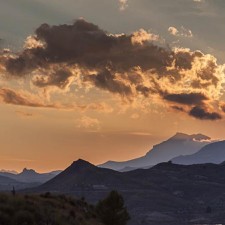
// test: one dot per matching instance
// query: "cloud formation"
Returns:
(186, 99)
(24, 98)
(201, 113)
(183, 32)
(10, 96)
(88, 123)
(123, 4)
(130, 66)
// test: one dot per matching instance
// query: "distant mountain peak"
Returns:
(180, 135)
(28, 171)
(80, 163)
(179, 144)
(194, 137)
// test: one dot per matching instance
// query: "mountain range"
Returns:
(170, 193)
(211, 153)
(30, 176)
(179, 144)
(186, 189)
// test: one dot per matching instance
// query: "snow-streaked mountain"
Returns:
(179, 144)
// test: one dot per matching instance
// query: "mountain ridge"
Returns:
(30, 176)
(211, 153)
(167, 186)
(178, 144)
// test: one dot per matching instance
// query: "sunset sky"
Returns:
(106, 80)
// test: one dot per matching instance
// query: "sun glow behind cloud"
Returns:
(135, 68)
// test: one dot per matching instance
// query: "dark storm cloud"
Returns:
(186, 99)
(203, 114)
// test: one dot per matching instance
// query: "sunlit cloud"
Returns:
(133, 67)
(182, 32)
(142, 36)
(123, 4)
(25, 98)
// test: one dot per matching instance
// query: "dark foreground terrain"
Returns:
(166, 194)
(45, 209)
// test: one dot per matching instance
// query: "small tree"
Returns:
(111, 210)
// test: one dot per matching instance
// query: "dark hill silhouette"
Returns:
(211, 153)
(171, 192)
(179, 144)
(84, 175)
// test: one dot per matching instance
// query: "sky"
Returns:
(106, 80)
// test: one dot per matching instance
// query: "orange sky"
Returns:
(106, 89)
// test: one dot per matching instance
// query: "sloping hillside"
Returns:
(7, 183)
(45, 209)
(176, 193)
(82, 175)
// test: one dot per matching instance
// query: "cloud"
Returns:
(60, 78)
(88, 123)
(123, 4)
(13, 97)
(186, 99)
(139, 134)
(131, 66)
(24, 114)
(183, 32)
(173, 31)
(201, 113)
(178, 108)
(24, 98)
(142, 36)
(101, 107)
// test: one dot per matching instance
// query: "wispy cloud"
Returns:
(140, 133)
(89, 123)
(24, 114)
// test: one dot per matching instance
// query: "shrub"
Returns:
(111, 210)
